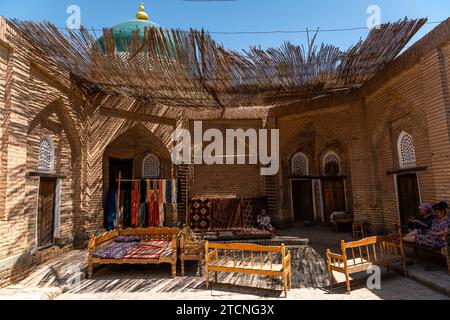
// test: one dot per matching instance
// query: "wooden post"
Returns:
(118, 215)
(188, 213)
(207, 264)
(91, 248)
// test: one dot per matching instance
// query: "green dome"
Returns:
(123, 33)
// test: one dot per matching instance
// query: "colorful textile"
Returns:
(169, 192)
(160, 192)
(225, 214)
(143, 191)
(156, 215)
(149, 193)
(111, 210)
(151, 209)
(127, 239)
(142, 214)
(201, 214)
(250, 208)
(135, 204)
(164, 191)
(115, 250)
(161, 215)
(126, 196)
(151, 250)
(428, 240)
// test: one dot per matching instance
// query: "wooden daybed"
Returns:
(156, 246)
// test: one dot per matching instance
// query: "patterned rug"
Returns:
(201, 214)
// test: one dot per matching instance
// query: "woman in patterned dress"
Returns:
(439, 228)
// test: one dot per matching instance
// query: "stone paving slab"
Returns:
(49, 280)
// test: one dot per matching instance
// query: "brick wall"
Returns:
(227, 180)
(314, 134)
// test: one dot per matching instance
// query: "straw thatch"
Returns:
(189, 69)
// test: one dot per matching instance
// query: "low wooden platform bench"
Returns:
(361, 255)
(445, 252)
(151, 246)
(249, 259)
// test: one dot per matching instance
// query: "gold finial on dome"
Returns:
(142, 15)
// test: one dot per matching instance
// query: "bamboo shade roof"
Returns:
(189, 69)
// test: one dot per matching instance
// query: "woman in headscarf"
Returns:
(423, 223)
(440, 227)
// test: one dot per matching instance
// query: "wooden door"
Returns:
(46, 212)
(333, 190)
(302, 200)
(408, 196)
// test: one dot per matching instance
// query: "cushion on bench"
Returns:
(150, 250)
(115, 250)
(127, 239)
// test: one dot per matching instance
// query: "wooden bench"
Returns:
(101, 241)
(445, 252)
(249, 259)
(361, 255)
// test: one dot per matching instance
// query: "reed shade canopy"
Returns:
(189, 69)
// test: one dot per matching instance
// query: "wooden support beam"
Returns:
(115, 113)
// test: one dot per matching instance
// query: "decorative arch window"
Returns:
(46, 155)
(300, 164)
(406, 150)
(151, 167)
(332, 164)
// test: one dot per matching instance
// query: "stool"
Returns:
(360, 230)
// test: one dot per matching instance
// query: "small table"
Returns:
(346, 218)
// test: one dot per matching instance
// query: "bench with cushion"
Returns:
(361, 255)
(134, 246)
(249, 259)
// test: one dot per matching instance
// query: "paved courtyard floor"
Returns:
(63, 279)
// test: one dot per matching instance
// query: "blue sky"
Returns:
(237, 16)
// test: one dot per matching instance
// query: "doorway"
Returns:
(302, 200)
(333, 191)
(117, 167)
(408, 196)
(46, 212)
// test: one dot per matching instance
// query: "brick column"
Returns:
(435, 78)
(14, 156)
(362, 164)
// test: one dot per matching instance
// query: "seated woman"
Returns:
(264, 222)
(440, 227)
(425, 221)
